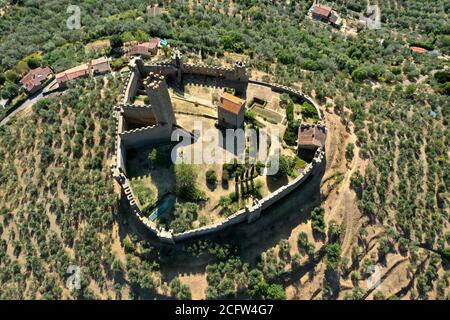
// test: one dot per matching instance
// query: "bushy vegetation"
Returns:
(144, 194)
(291, 132)
(309, 112)
(62, 200)
(185, 214)
(186, 185)
(211, 177)
(54, 166)
(318, 221)
(179, 290)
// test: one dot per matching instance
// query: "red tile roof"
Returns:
(73, 73)
(35, 78)
(320, 10)
(231, 103)
(311, 136)
(100, 65)
(97, 61)
(145, 48)
(154, 42)
(418, 49)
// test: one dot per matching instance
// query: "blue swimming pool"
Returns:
(166, 203)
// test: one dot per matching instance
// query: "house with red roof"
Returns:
(100, 65)
(73, 73)
(311, 137)
(145, 49)
(418, 50)
(230, 111)
(35, 79)
(325, 14)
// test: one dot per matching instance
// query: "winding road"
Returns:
(27, 103)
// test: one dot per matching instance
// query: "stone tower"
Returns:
(177, 62)
(156, 88)
(240, 70)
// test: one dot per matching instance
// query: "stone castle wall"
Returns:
(166, 69)
(163, 235)
(131, 87)
(224, 73)
(253, 213)
(292, 92)
(142, 115)
(121, 156)
(176, 66)
(162, 133)
(145, 136)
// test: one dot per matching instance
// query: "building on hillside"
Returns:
(100, 66)
(145, 49)
(230, 111)
(155, 10)
(311, 137)
(418, 50)
(35, 79)
(335, 19)
(325, 14)
(320, 12)
(73, 73)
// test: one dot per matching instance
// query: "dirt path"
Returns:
(338, 198)
(348, 203)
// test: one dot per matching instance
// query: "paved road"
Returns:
(29, 102)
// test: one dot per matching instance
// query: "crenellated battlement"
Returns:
(138, 130)
(154, 81)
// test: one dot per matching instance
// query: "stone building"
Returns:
(320, 12)
(155, 10)
(325, 14)
(34, 79)
(73, 73)
(100, 66)
(311, 137)
(230, 111)
(145, 49)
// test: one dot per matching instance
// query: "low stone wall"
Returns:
(204, 115)
(292, 92)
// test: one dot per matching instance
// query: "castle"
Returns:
(154, 122)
